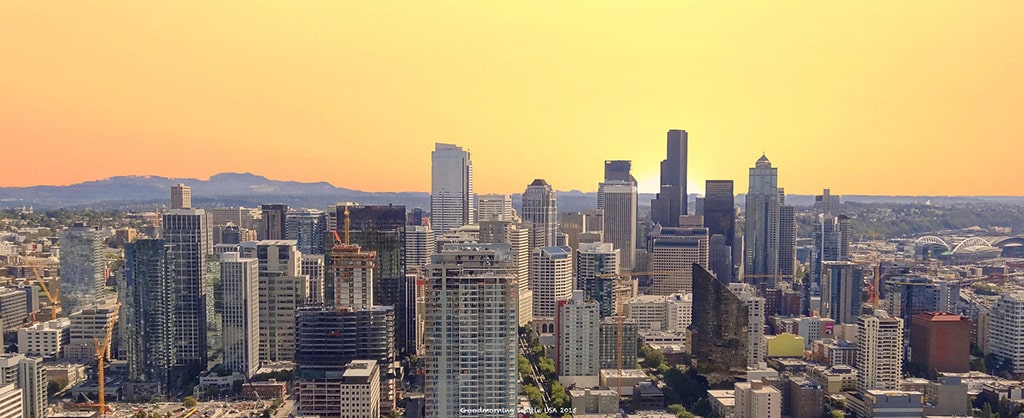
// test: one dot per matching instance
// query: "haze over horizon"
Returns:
(876, 98)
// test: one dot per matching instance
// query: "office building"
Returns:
(45, 339)
(28, 375)
(671, 313)
(720, 219)
(11, 405)
(349, 276)
(718, 332)
(802, 397)
(540, 214)
(1005, 335)
(415, 310)
(842, 286)
(880, 358)
(577, 341)
(358, 384)
(617, 197)
(831, 242)
(381, 229)
(82, 269)
(495, 208)
(328, 339)
(761, 224)
(471, 290)
(597, 274)
(756, 347)
(307, 228)
(787, 242)
(755, 399)
(274, 223)
(419, 245)
(612, 354)
(149, 305)
(451, 188)
(312, 266)
(907, 296)
(91, 324)
(671, 201)
(181, 196)
(515, 235)
(282, 289)
(239, 281)
(551, 277)
(13, 308)
(673, 252)
(187, 234)
(939, 342)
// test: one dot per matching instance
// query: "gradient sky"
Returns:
(866, 97)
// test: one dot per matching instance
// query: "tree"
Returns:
(534, 395)
(559, 398)
(676, 409)
(652, 358)
(986, 411)
(837, 414)
(978, 364)
(190, 402)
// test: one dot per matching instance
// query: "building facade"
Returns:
(451, 188)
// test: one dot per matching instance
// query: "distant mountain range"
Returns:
(250, 190)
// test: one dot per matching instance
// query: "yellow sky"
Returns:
(866, 97)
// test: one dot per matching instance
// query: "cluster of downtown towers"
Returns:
(408, 283)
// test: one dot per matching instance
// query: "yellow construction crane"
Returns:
(101, 353)
(54, 300)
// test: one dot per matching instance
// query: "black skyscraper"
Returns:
(671, 201)
(618, 170)
(274, 222)
(720, 209)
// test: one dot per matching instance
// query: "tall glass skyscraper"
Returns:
(540, 213)
(451, 188)
(671, 200)
(148, 306)
(617, 196)
(761, 223)
(186, 230)
(81, 267)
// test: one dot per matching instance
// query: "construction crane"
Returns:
(101, 352)
(54, 300)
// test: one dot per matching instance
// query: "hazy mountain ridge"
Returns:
(247, 189)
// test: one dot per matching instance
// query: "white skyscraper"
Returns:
(81, 267)
(471, 290)
(619, 200)
(181, 196)
(239, 279)
(1005, 333)
(578, 341)
(551, 276)
(10, 401)
(419, 245)
(451, 188)
(495, 208)
(507, 232)
(761, 223)
(880, 354)
(673, 252)
(756, 349)
(540, 214)
(282, 288)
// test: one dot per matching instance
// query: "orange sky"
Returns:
(867, 97)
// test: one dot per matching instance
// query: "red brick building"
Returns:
(939, 342)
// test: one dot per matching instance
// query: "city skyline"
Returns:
(743, 79)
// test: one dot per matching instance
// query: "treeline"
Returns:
(876, 221)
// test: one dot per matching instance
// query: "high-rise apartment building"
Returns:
(617, 197)
(28, 375)
(672, 313)
(761, 224)
(907, 296)
(275, 222)
(513, 234)
(551, 276)
(381, 229)
(939, 342)
(787, 242)
(240, 315)
(471, 290)
(880, 355)
(1005, 335)
(187, 234)
(597, 275)
(495, 208)
(614, 349)
(312, 266)
(46, 339)
(149, 305)
(307, 228)
(89, 325)
(755, 309)
(451, 188)
(720, 219)
(673, 252)
(831, 242)
(577, 341)
(670, 203)
(419, 245)
(540, 214)
(842, 285)
(181, 196)
(282, 289)
(82, 275)
(11, 401)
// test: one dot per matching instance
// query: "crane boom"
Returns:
(54, 301)
(101, 352)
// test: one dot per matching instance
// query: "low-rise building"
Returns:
(887, 403)
(722, 402)
(45, 339)
(271, 389)
(834, 379)
(648, 396)
(597, 400)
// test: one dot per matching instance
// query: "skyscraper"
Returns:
(419, 245)
(671, 201)
(754, 399)
(471, 289)
(540, 214)
(181, 196)
(673, 252)
(307, 227)
(513, 234)
(451, 188)
(551, 276)
(274, 224)
(28, 375)
(761, 224)
(717, 335)
(148, 306)
(81, 267)
(1005, 337)
(617, 196)
(831, 243)
(787, 242)
(241, 313)
(720, 219)
(381, 229)
(495, 208)
(188, 235)
(313, 267)
(880, 354)
(841, 289)
(597, 275)
(577, 341)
